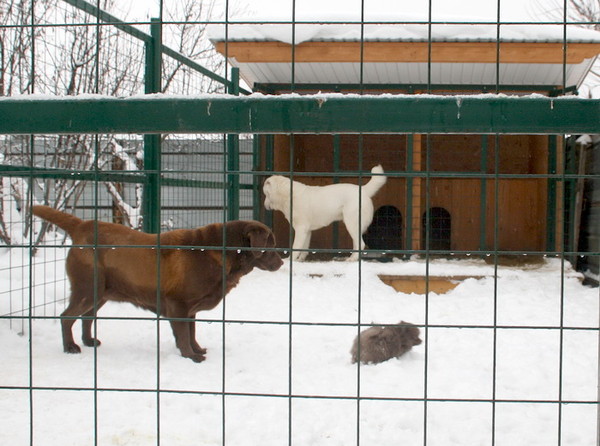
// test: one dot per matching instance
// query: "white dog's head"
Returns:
(275, 192)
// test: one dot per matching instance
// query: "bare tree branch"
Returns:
(86, 58)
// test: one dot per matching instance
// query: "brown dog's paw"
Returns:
(91, 342)
(197, 357)
(72, 348)
(199, 350)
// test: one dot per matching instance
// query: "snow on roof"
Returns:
(402, 28)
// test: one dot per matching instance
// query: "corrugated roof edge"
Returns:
(401, 32)
(414, 40)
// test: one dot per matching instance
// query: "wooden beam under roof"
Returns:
(415, 52)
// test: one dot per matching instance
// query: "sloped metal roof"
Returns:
(413, 73)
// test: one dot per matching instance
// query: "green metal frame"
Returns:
(301, 114)
(408, 236)
(152, 143)
(233, 159)
(256, 182)
(552, 184)
(483, 194)
(269, 148)
(337, 154)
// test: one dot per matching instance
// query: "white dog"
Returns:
(315, 207)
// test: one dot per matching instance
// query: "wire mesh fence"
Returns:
(481, 238)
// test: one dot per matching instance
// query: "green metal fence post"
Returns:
(483, 194)
(570, 167)
(551, 211)
(269, 166)
(409, 193)
(233, 158)
(152, 143)
(336, 180)
(256, 180)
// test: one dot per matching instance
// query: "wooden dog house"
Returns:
(468, 188)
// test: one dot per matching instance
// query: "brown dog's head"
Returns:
(259, 237)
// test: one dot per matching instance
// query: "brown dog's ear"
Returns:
(259, 238)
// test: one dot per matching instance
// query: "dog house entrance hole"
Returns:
(385, 231)
(440, 229)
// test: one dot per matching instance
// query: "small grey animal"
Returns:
(378, 344)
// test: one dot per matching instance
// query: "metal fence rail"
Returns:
(303, 114)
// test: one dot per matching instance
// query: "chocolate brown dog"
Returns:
(124, 268)
(378, 344)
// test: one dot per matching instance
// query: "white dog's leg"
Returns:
(303, 254)
(356, 231)
(301, 241)
(354, 256)
(357, 241)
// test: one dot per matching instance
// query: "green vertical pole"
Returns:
(233, 158)
(152, 143)
(483, 194)
(269, 166)
(336, 169)
(570, 196)
(551, 210)
(409, 192)
(255, 178)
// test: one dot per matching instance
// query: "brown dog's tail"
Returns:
(64, 221)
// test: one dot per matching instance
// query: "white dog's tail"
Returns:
(375, 183)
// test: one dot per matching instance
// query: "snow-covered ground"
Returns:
(112, 394)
